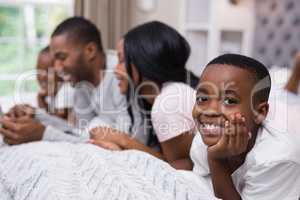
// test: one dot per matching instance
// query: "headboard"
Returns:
(277, 32)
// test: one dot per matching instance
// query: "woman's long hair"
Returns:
(159, 54)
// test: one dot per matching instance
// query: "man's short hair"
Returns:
(80, 30)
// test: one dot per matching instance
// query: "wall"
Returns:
(227, 25)
(166, 11)
(239, 17)
(277, 35)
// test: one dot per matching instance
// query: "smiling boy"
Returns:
(238, 155)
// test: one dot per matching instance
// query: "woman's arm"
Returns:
(183, 164)
(122, 140)
(175, 150)
(130, 143)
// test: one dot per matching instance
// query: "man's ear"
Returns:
(90, 51)
(261, 112)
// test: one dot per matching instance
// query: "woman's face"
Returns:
(121, 72)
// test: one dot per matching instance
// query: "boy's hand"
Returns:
(234, 140)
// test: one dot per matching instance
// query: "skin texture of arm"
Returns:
(175, 151)
(221, 178)
(294, 80)
(232, 146)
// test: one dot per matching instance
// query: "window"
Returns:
(25, 28)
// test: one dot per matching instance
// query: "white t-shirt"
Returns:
(64, 97)
(271, 169)
(93, 107)
(171, 113)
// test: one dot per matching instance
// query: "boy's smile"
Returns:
(223, 91)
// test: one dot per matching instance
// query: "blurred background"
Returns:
(268, 30)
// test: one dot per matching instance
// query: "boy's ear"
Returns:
(261, 110)
(90, 51)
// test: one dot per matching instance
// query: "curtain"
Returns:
(110, 16)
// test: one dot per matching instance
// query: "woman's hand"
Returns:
(106, 145)
(108, 138)
(234, 141)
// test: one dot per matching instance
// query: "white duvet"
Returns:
(65, 171)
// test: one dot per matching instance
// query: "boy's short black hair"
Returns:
(80, 30)
(45, 50)
(259, 71)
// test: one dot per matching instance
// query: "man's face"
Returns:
(222, 91)
(68, 57)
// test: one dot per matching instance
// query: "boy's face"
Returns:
(44, 64)
(223, 90)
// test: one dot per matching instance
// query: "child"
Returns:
(238, 155)
(47, 80)
(54, 96)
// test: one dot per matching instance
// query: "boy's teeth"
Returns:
(210, 126)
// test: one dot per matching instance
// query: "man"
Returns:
(79, 58)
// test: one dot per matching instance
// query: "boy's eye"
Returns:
(61, 56)
(202, 98)
(230, 101)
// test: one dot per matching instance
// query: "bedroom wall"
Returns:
(167, 11)
(277, 34)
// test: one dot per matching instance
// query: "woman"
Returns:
(152, 74)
